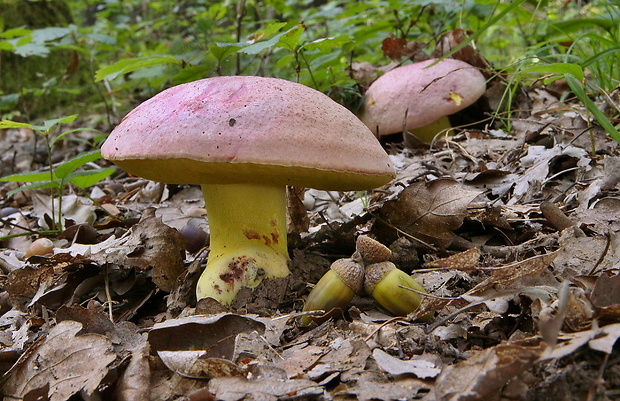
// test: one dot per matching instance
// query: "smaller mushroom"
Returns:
(419, 97)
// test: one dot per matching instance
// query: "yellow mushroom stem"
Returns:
(428, 132)
(248, 238)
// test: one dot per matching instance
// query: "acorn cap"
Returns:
(375, 273)
(371, 250)
(350, 272)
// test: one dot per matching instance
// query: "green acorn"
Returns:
(334, 290)
(383, 281)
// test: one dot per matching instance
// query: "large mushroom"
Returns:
(244, 139)
(419, 97)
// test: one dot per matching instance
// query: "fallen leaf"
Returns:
(214, 334)
(393, 47)
(536, 166)
(237, 388)
(60, 360)
(485, 373)
(148, 245)
(195, 365)
(430, 211)
(134, 382)
(600, 339)
(418, 367)
(373, 388)
(466, 260)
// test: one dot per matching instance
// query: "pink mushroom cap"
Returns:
(245, 129)
(412, 96)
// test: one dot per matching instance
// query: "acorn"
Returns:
(384, 282)
(40, 247)
(334, 290)
(371, 251)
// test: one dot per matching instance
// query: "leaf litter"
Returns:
(514, 234)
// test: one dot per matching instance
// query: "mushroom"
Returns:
(244, 139)
(419, 97)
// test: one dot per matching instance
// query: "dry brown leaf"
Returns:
(149, 245)
(162, 250)
(134, 382)
(194, 364)
(29, 283)
(606, 296)
(466, 260)
(393, 47)
(264, 388)
(529, 277)
(420, 368)
(430, 211)
(344, 355)
(599, 339)
(526, 273)
(214, 334)
(374, 388)
(297, 215)
(60, 360)
(482, 376)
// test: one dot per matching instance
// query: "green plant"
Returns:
(60, 176)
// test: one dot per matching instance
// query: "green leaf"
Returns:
(85, 179)
(31, 49)
(601, 55)
(15, 32)
(490, 23)
(49, 184)
(577, 24)
(327, 44)
(47, 124)
(65, 133)
(29, 177)
(76, 162)
(125, 66)
(557, 68)
(291, 38)
(577, 88)
(5, 124)
(222, 50)
(50, 33)
(258, 47)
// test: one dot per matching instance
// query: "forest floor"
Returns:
(513, 232)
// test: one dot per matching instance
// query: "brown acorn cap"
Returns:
(371, 250)
(375, 273)
(350, 272)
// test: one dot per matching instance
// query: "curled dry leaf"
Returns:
(394, 366)
(194, 364)
(236, 388)
(214, 334)
(134, 382)
(149, 245)
(483, 375)
(600, 339)
(59, 362)
(430, 211)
